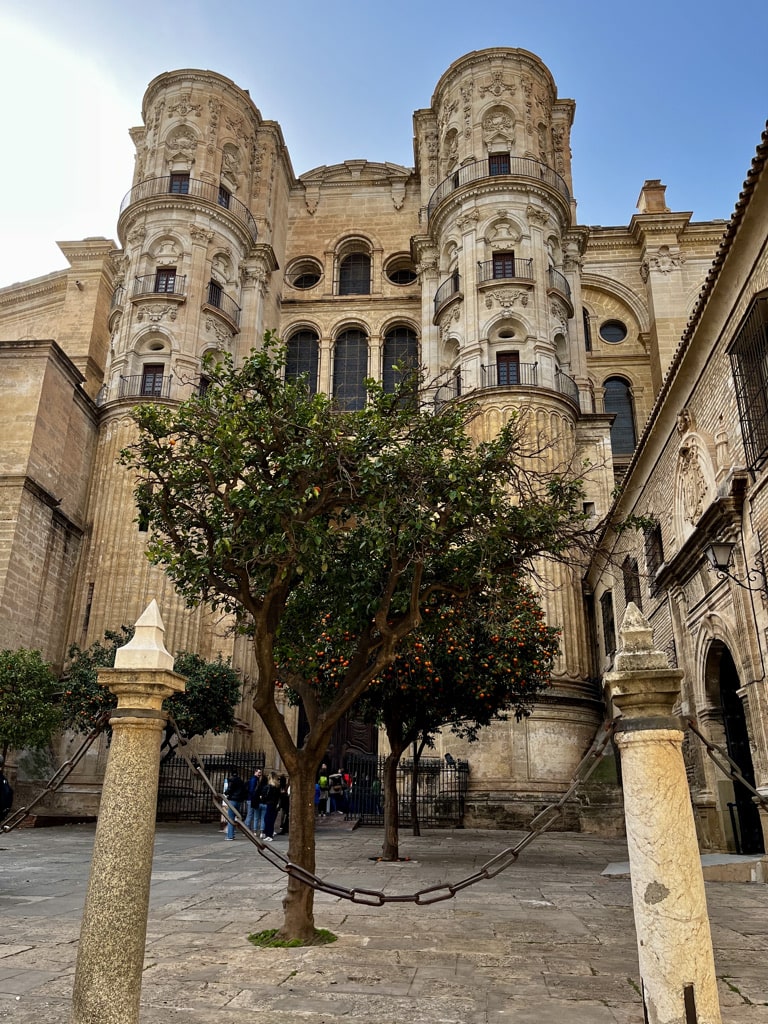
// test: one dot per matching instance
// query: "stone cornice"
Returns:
(50, 285)
(454, 203)
(644, 225)
(207, 79)
(494, 57)
(87, 249)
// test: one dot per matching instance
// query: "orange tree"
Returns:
(274, 505)
(473, 658)
(208, 703)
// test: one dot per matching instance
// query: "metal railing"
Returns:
(151, 284)
(449, 390)
(559, 282)
(440, 790)
(512, 375)
(505, 270)
(195, 189)
(447, 289)
(519, 167)
(220, 300)
(139, 385)
(183, 796)
(567, 386)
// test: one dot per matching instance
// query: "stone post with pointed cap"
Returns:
(110, 956)
(673, 936)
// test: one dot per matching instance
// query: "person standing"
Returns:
(324, 791)
(235, 795)
(256, 809)
(271, 798)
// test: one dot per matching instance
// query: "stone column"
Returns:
(673, 936)
(110, 956)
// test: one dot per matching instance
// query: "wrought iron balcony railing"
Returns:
(219, 299)
(160, 284)
(447, 289)
(506, 269)
(193, 188)
(515, 166)
(567, 386)
(559, 282)
(509, 375)
(145, 386)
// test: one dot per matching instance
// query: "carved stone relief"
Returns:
(184, 106)
(507, 298)
(220, 332)
(693, 486)
(466, 96)
(214, 111)
(199, 234)
(450, 317)
(558, 144)
(466, 221)
(503, 233)
(536, 215)
(497, 86)
(499, 123)
(156, 312)
(664, 260)
(182, 141)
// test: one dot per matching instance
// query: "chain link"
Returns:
(60, 775)
(729, 768)
(543, 821)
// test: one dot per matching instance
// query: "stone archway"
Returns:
(723, 686)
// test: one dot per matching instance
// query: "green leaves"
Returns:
(28, 712)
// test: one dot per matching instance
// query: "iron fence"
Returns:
(520, 167)
(441, 790)
(183, 796)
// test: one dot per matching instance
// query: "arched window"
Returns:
(401, 348)
(302, 358)
(355, 274)
(619, 400)
(350, 368)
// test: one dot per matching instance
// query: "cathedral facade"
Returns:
(471, 261)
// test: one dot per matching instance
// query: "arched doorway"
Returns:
(723, 688)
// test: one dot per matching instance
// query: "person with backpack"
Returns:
(235, 795)
(325, 793)
(6, 792)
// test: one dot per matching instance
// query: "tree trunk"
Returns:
(390, 849)
(417, 749)
(298, 903)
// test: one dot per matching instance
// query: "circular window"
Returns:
(613, 331)
(507, 332)
(400, 270)
(304, 273)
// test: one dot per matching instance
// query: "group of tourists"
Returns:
(258, 802)
(332, 792)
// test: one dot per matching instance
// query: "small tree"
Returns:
(473, 659)
(207, 705)
(274, 505)
(29, 715)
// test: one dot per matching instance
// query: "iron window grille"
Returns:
(355, 274)
(609, 625)
(350, 368)
(302, 358)
(749, 364)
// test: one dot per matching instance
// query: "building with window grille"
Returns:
(471, 263)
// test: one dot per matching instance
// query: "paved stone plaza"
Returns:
(549, 940)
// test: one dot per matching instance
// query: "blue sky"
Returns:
(675, 90)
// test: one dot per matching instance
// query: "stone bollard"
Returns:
(110, 957)
(674, 944)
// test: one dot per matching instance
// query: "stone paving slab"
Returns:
(550, 941)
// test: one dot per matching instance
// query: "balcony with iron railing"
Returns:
(508, 269)
(191, 188)
(216, 298)
(567, 386)
(447, 291)
(168, 285)
(515, 167)
(559, 283)
(509, 375)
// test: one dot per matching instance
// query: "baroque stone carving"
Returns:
(685, 421)
(452, 316)
(156, 312)
(466, 221)
(507, 298)
(693, 486)
(137, 235)
(183, 107)
(220, 332)
(199, 234)
(499, 124)
(214, 110)
(560, 315)
(536, 215)
(182, 140)
(664, 260)
(497, 86)
(466, 96)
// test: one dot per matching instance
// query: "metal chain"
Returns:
(729, 768)
(60, 775)
(543, 821)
